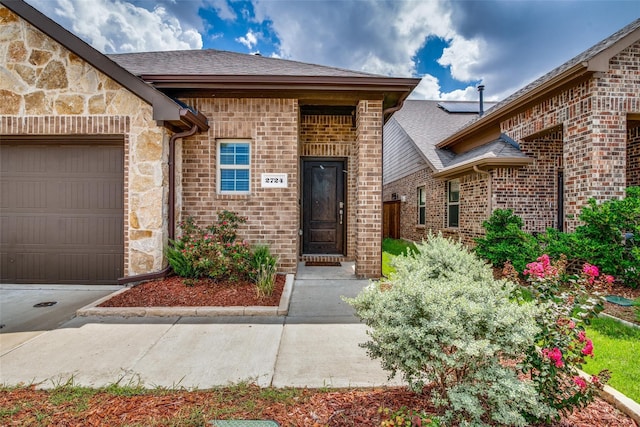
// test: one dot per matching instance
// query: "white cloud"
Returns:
(118, 26)
(223, 9)
(429, 88)
(463, 57)
(249, 40)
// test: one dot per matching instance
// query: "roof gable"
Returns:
(164, 108)
(426, 123)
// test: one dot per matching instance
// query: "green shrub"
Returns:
(603, 234)
(443, 320)
(180, 262)
(210, 252)
(505, 241)
(263, 270)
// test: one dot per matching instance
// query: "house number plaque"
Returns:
(275, 180)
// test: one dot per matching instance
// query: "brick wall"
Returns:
(271, 125)
(368, 203)
(435, 207)
(531, 192)
(593, 115)
(633, 157)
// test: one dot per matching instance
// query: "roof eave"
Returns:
(492, 117)
(164, 108)
(483, 163)
(267, 81)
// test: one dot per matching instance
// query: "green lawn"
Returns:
(616, 348)
(392, 248)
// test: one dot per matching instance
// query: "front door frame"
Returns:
(344, 234)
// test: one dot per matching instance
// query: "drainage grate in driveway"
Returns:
(45, 304)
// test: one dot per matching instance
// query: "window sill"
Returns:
(421, 227)
(223, 196)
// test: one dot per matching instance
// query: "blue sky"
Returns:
(452, 45)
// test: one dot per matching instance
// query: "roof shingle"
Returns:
(218, 62)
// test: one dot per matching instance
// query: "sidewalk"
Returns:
(316, 345)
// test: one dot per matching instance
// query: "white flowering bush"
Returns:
(443, 320)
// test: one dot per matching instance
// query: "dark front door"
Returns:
(324, 207)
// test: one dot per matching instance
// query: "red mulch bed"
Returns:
(358, 407)
(304, 408)
(176, 292)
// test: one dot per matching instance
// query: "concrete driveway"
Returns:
(21, 319)
(316, 345)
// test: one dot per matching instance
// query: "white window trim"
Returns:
(236, 167)
(450, 203)
(424, 205)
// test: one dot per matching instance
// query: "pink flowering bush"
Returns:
(211, 252)
(562, 345)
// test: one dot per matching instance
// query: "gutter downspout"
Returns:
(171, 215)
(489, 188)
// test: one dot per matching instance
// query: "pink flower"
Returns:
(580, 382)
(542, 268)
(591, 271)
(609, 279)
(572, 324)
(554, 355)
(582, 336)
(588, 348)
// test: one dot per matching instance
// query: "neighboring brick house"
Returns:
(103, 154)
(571, 135)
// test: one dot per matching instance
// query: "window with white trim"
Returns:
(422, 206)
(453, 203)
(234, 167)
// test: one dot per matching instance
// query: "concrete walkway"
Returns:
(316, 345)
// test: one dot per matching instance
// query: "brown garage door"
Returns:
(61, 211)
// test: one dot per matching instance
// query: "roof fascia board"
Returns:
(262, 81)
(164, 108)
(600, 62)
(465, 168)
(533, 95)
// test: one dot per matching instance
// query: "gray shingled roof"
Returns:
(217, 62)
(427, 124)
(503, 147)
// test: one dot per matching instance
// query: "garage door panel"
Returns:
(33, 230)
(89, 194)
(32, 267)
(62, 218)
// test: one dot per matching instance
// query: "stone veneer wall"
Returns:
(633, 157)
(435, 203)
(368, 203)
(46, 89)
(271, 125)
(593, 114)
(333, 136)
